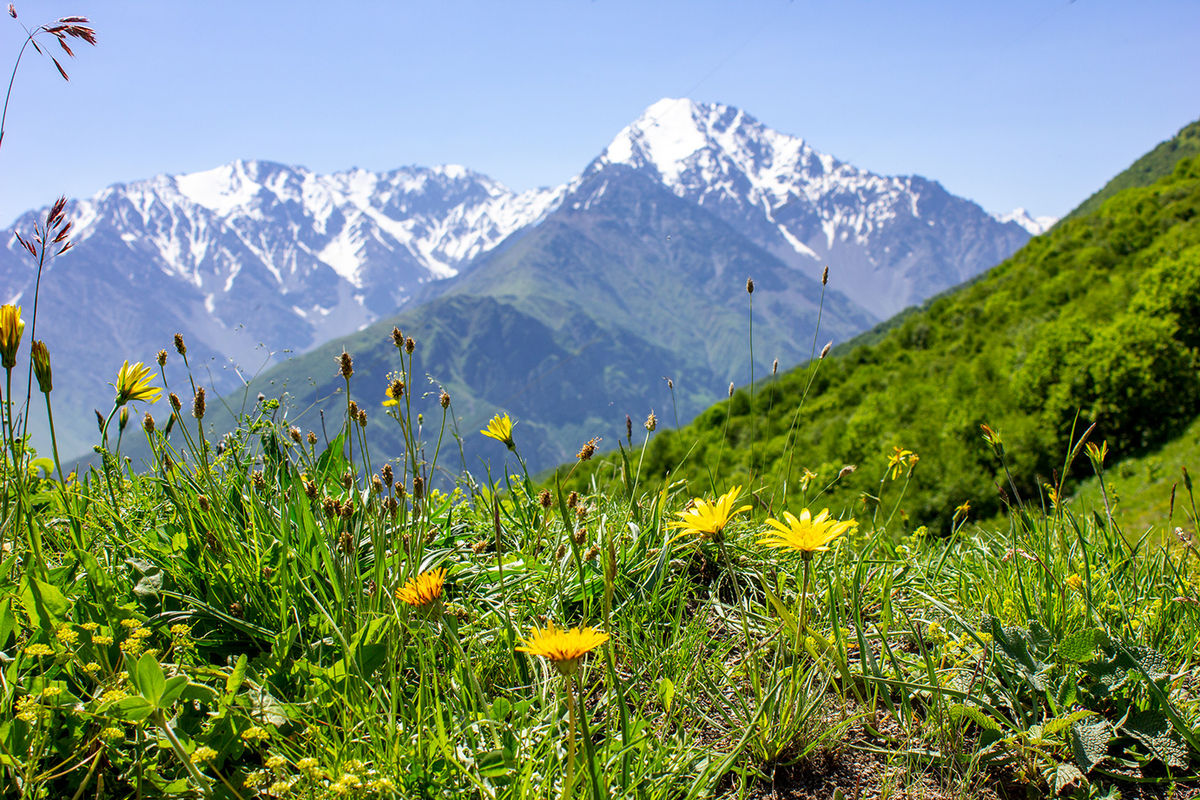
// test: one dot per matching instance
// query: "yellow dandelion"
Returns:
(901, 459)
(500, 428)
(708, 518)
(11, 329)
(133, 383)
(562, 647)
(808, 534)
(423, 589)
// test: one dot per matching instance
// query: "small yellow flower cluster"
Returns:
(203, 755)
(29, 710)
(346, 784)
(255, 734)
(38, 650)
(66, 635)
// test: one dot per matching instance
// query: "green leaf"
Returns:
(44, 603)
(1081, 645)
(1153, 730)
(147, 678)
(130, 708)
(666, 693)
(958, 710)
(1059, 723)
(1065, 777)
(1089, 743)
(8, 621)
(171, 690)
(234, 681)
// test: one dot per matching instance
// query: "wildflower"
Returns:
(749, 285)
(651, 422)
(444, 399)
(11, 329)
(90, 626)
(807, 534)
(899, 460)
(91, 667)
(708, 519)
(255, 734)
(112, 733)
(198, 403)
(41, 366)
(807, 478)
(563, 648)
(133, 383)
(102, 640)
(394, 391)
(66, 635)
(382, 785)
(28, 710)
(961, 511)
(203, 754)
(276, 762)
(1075, 582)
(345, 365)
(309, 765)
(280, 787)
(36, 650)
(423, 589)
(112, 696)
(500, 428)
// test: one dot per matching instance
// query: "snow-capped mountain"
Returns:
(252, 259)
(892, 240)
(1035, 225)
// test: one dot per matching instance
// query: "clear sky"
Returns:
(1031, 103)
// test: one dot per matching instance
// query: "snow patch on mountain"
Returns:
(1035, 225)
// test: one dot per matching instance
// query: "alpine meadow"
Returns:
(496, 529)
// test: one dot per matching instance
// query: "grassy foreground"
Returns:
(271, 615)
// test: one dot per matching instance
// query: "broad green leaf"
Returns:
(1065, 777)
(147, 678)
(8, 621)
(44, 603)
(1081, 645)
(1089, 743)
(1153, 730)
(130, 708)
(171, 691)
(236, 676)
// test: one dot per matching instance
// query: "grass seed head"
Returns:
(749, 285)
(651, 422)
(148, 423)
(345, 365)
(180, 347)
(198, 403)
(444, 399)
(162, 358)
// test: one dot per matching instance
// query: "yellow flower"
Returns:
(901, 459)
(563, 648)
(500, 428)
(1075, 582)
(807, 534)
(708, 519)
(133, 383)
(394, 391)
(423, 589)
(11, 328)
(961, 511)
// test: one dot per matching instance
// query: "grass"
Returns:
(234, 624)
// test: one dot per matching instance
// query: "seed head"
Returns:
(202, 501)
(294, 432)
(731, 388)
(825, 276)
(628, 427)
(775, 366)
(588, 450)
(352, 409)
(162, 358)
(825, 349)
(670, 383)
(592, 552)
(312, 439)
(176, 403)
(148, 423)
(376, 484)
(391, 505)
(580, 536)
(560, 552)
(12, 12)
(258, 481)
(479, 547)
(572, 499)
(444, 399)
(749, 285)
(388, 477)
(846, 470)
(345, 365)
(262, 398)
(347, 509)
(651, 422)
(347, 481)
(398, 338)
(409, 345)
(310, 490)
(418, 487)
(198, 403)
(180, 347)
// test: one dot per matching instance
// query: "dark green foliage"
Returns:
(1095, 321)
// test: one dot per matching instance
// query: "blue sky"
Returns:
(1011, 103)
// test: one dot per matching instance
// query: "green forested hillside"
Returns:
(1099, 317)
(1148, 168)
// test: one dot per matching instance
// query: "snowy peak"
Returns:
(1035, 225)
